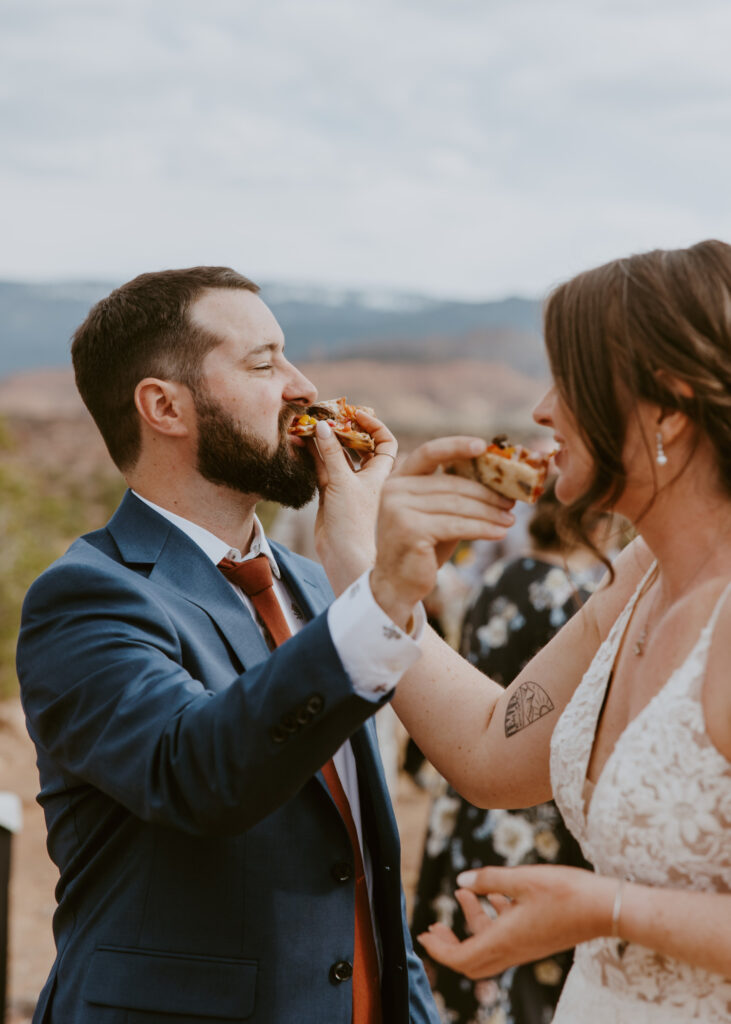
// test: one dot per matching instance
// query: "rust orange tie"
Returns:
(254, 576)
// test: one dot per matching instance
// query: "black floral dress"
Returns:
(521, 604)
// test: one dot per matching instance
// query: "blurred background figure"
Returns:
(520, 603)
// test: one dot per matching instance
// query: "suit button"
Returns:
(315, 704)
(341, 971)
(289, 723)
(304, 717)
(278, 734)
(342, 871)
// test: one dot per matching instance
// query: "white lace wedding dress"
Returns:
(660, 814)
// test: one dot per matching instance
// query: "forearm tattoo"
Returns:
(529, 703)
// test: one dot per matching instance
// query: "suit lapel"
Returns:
(304, 581)
(379, 824)
(145, 538)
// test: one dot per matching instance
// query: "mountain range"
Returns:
(320, 324)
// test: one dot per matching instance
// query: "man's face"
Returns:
(232, 455)
(248, 397)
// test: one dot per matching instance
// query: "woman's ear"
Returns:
(672, 422)
(164, 405)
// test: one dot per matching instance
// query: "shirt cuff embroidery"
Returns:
(374, 651)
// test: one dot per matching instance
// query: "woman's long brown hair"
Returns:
(629, 331)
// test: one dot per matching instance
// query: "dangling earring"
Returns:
(661, 458)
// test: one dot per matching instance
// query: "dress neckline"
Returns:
(614, 643)
(615, 640)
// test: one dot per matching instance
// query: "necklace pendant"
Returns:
(639, 644)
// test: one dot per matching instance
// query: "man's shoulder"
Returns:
(92, 563)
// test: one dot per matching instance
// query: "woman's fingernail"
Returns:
(477, 447)
(467, 879)
(322, 428)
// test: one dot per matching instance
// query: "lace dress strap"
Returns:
(717, 609)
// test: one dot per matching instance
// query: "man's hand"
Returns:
(346, 516)
(422, 517)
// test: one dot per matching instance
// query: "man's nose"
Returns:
(300, 389)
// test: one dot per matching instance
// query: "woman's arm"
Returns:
(543, 909)
(493, 744)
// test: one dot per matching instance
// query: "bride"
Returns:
(625, 717)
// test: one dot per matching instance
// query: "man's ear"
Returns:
(164, 405)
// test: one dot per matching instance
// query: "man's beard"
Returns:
(230, 455)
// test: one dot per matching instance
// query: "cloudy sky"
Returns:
(468, 148)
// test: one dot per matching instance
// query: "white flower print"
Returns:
(493, 573)
(494, 633)
(441, 823)
(487, 992)
(557, 617)
(553, 591)
(547, 845)
(446, 1016)
(547, 972)
(513, 838)
(444, 907)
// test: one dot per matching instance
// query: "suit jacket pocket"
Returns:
(156, 982)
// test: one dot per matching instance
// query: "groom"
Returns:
(209, 772)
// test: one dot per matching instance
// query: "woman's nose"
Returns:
(542, 413)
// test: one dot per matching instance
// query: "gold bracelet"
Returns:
(617, 909)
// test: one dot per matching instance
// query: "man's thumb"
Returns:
(330, 449)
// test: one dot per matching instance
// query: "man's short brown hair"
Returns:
(142, 330)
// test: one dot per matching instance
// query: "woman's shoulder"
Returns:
(715, 600)
(631, 568)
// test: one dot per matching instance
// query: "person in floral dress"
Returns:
(520, 604)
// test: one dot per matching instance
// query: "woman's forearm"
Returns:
(691, 926)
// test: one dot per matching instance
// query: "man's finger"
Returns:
(330, 451)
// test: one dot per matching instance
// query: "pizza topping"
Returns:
(342, 418)
(511, 469)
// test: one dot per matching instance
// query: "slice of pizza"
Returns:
(342, 418)
(510, 469)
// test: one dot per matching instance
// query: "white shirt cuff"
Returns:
(374, 651)
(11, 813)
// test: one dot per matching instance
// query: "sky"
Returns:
(456, 148)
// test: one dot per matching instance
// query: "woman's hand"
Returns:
(423, 515)
(539, 910)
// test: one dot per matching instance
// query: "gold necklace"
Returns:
(638, 648)
(639, 645)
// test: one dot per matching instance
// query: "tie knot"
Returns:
(253, 575)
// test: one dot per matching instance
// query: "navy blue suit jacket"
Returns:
(204, 868)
